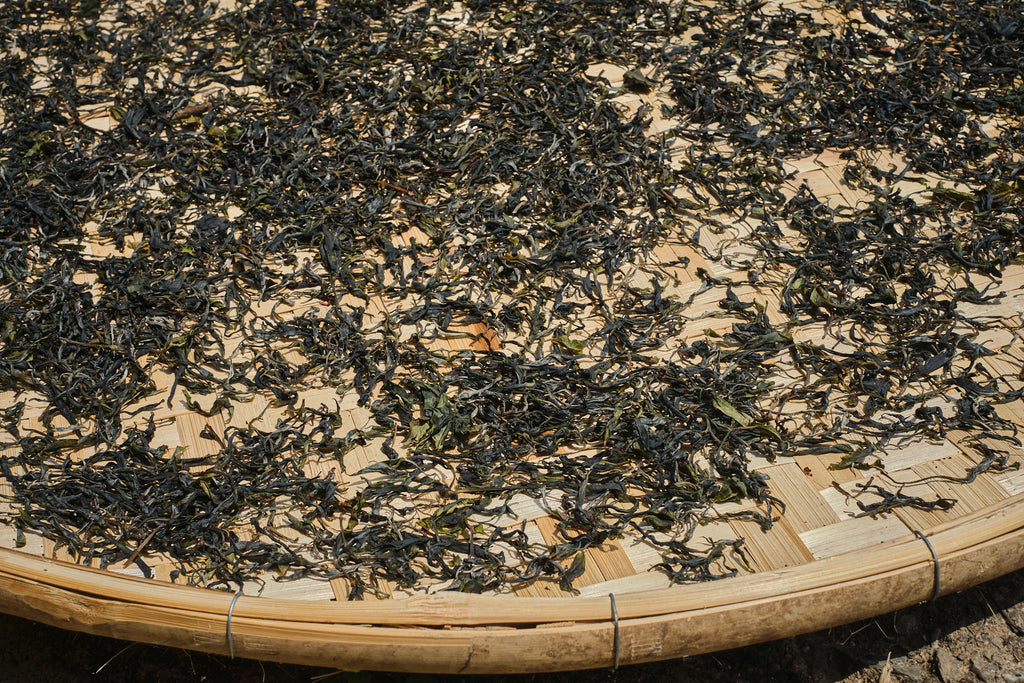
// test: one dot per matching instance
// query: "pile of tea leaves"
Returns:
(478, 239)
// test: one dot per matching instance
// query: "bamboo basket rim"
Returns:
(968, 550)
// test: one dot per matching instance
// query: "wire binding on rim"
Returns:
(231, 610)
(935, 565)
(615, 637)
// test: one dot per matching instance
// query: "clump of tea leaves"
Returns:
(441, 233)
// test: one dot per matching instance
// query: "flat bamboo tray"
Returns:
(823, 563)
(820, 565)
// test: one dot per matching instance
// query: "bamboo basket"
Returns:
(822, 564)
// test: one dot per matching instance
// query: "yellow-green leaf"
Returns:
(730, 410)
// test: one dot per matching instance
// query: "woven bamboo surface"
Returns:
(823, 561)
(821, 519)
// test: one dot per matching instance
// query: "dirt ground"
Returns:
(977, 635)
